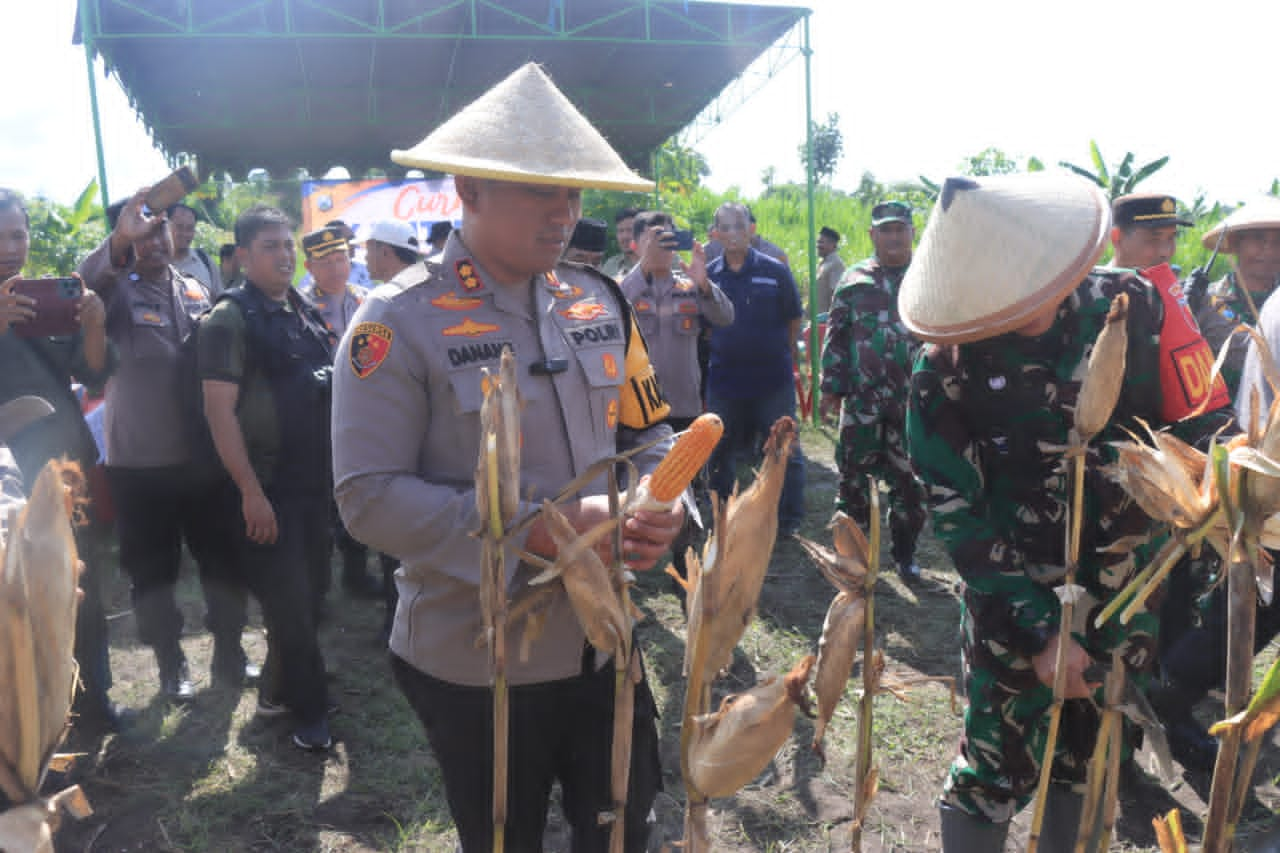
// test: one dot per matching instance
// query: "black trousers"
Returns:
(560, 730)
(156, 510)
(279, 576)
(1197, 661)
(92, 645)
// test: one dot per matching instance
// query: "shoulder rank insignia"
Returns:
(453, 302)
(469, 328)
(467, 275)
(585, 310)
(370, 344)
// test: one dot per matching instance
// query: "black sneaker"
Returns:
(269, 710)
(314, 737)
(909, 571)
(175, 683)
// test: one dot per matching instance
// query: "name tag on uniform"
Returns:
(148, 315)
(772, 282)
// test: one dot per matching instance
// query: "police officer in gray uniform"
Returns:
(151, 308)
(406, 417)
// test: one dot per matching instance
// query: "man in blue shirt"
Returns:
(750, 381)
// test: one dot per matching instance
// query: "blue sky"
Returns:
(918, 86)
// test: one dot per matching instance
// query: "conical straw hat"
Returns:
(1261, 212)
(525, 130)
(998, 250)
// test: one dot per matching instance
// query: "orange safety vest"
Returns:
(1186, 360)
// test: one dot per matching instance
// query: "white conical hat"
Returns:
(525, 130)
(998, 250)
(1261, 212)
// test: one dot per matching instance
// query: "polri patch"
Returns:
(370, 345)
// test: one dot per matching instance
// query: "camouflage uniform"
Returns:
(866, 360)
(1223, 312)
(981, 422)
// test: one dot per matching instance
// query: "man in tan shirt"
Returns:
(406, 432)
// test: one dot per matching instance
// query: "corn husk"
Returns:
(1101, 386)
(732, 746)
(29, 828)
(736, 556)
(37, 619)
(588, 582)
(842, 630)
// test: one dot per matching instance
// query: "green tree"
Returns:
(62, 236)
(989, 161)
(828, 147)
(1121, 180)
(678, 168)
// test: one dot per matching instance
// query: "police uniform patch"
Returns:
(585, 310)
(370, 344)
(610, 365)
(467, 275)
(643, 305)
(453, 302)
(611, 414)
(684, 306)
(686, 324)
(566, 291)
(469, 328)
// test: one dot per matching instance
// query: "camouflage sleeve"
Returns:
(864, 351)
(1020, 611)
(837, 377)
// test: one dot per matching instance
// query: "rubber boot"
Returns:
(1062, 810)
(964, 833)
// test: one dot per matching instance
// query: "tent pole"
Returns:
(814, 342)
(93, 102)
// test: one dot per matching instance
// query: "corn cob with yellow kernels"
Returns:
(682, 463)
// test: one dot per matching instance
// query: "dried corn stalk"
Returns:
(497, 483)
(1169, 834)
(736, 556)
(1099, 393)
(723, 588)
(842, 630)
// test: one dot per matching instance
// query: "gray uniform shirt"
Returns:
(830, 271)
(209, 275)
(406, 428)
(337, 310)
(147, 321)
(668, 312)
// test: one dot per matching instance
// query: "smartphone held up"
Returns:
(56, 305)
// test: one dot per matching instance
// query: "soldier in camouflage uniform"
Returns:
(990, 407)
(1253, 237)
(866, 364)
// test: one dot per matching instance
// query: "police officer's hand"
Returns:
(696, 268)
(647, 535)
(829, 406)
(1077, 660)
(14, 307)
(133, 224)
(90, 311)
(259, 518)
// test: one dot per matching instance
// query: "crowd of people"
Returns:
(236, 420)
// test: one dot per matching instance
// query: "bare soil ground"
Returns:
(211, 777)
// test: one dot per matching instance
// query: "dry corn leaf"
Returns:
(837, 649)
(588, 582)
(37, 617)
(730, 747)
(736, 556)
